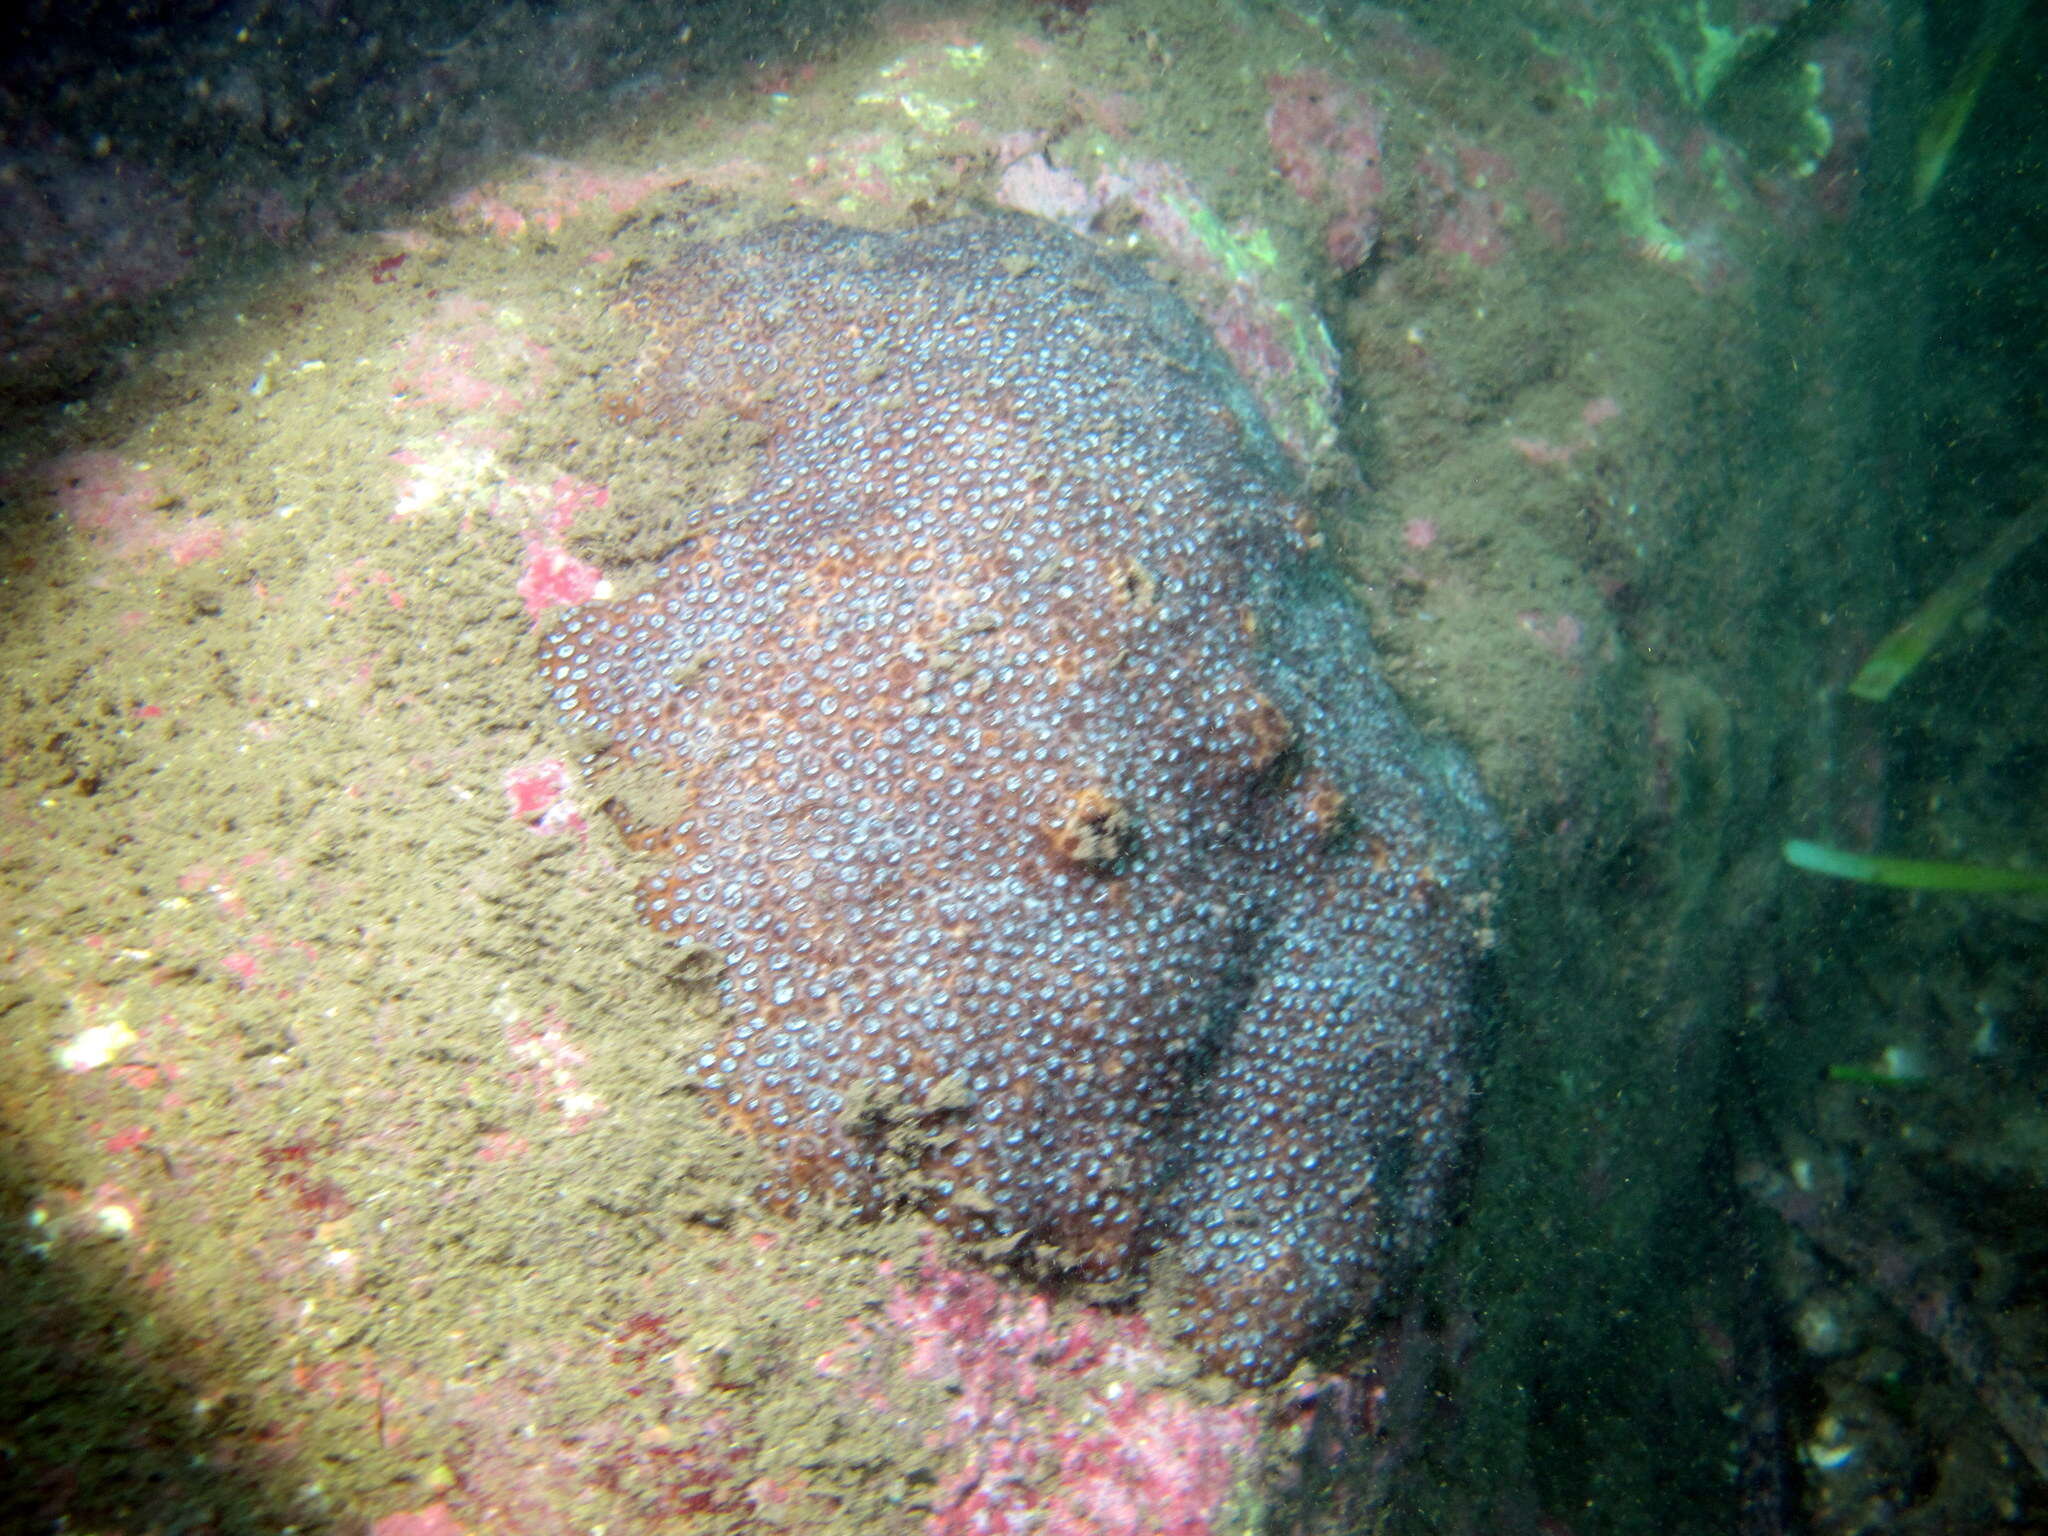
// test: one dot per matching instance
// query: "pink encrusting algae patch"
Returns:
(433, 1520)
(1598, 412)
(359, 579)
(557, 191)
(1560, 634)
(539, 795)
(1463, 187)
(1595, 414)
(552, 575)
(467, 361)
(1539, 450)
(1157, 195)
(1032, 184)
(1326, 139)
(124, 510)
(476, 372)
(1054, 1426)
(519, 1451)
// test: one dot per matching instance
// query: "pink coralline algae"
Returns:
(1465, 208)
(1031, 184)
(1326, 140)
(1079, 879)
(125, 513)
(1047, 1430)
(556, 192)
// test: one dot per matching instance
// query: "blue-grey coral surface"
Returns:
(1077, 875)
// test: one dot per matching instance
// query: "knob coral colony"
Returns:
(1078, 876)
